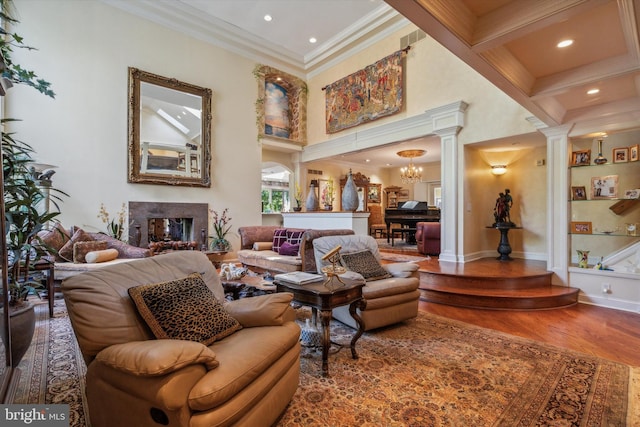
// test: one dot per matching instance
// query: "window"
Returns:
(275, 188)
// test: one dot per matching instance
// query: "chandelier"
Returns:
(410, 174)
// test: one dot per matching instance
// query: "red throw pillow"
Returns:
(289, 249)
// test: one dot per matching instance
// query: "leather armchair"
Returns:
(390, 300)
(246, 378)
(428, 238)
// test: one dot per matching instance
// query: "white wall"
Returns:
(84, 50)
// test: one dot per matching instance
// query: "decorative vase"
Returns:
(297, 208)
(600, 160)
(312, 199)
(328, 207)
(350, 200)
(583, 259)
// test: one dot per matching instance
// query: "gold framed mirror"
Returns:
(169, 131)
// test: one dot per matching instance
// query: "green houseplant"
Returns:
(22, 198)
(221, 227)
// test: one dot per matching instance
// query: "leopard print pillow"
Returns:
(365, 263)
(183, 309)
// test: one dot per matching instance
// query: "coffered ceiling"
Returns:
(513, 44)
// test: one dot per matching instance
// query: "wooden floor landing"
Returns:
(492, 284)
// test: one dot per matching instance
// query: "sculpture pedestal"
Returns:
(504, 247)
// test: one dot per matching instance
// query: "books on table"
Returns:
(299, 277)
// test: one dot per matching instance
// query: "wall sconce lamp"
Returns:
(498, 169)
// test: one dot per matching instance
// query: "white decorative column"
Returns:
(557, 202)
(447, 121)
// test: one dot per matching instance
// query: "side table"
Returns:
(325, 298)
(216, 257)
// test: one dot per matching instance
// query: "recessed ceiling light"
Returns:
(312, 40)
(565, 43)
(592, 91)
(268, 18)
(367, 160)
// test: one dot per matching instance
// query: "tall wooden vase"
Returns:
(350, 201)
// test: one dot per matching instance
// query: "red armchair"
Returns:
(428, 238)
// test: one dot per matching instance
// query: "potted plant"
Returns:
(21, 200)
(221, 227)
(327, 195)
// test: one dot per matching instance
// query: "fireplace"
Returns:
(158, 221)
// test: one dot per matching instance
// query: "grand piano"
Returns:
(408, 214)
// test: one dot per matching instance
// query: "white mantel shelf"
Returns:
(326, 220)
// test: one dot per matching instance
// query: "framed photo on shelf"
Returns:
(604, 187)
(621, 155)
(580, 227)
(633, 153)
(581, 158)
(578, 193)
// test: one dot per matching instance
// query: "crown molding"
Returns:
(188, 20)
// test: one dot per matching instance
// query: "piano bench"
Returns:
(404, 232)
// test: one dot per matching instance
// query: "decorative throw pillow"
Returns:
(289, 249)
(279, 237)
(66, 252)
(81, 249)
(365, 263)
(183, 309)
(55, 239)
(105, 255)
(262, 246)
(295, 237)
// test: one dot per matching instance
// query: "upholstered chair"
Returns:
(391, 290)
(428, 238)
(163, 347)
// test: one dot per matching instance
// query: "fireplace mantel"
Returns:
(141, 212)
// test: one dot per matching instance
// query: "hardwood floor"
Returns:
(603, 332)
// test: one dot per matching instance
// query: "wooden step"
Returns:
(493, 284)
(529, 299)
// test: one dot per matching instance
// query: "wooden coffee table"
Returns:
(325, 298)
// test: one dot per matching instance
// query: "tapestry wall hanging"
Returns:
(369, 94)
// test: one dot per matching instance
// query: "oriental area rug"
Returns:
(430, 371)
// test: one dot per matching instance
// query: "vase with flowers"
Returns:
(298, 198)
(327, 195)
(221, 227)
(115, 226)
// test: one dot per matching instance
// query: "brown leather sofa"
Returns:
(256, 250)
(133, 379)
(428, 238)
(389, 300)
